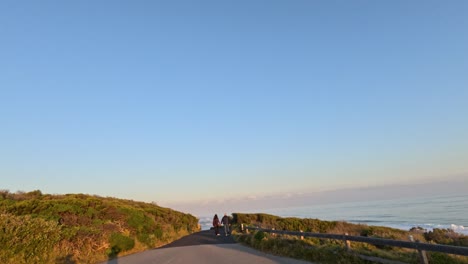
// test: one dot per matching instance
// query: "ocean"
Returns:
(426, 212)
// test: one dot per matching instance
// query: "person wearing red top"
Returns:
(216, 224)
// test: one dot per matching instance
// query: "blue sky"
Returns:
(208, 100)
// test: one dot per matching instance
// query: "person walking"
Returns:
(225, 221)
(216, 224)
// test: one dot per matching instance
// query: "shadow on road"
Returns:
(206, 237)
(112, 260)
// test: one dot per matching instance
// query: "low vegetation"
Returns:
(79, 228)
(333, 251)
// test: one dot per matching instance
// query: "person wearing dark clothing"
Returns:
(225, 221)
(216, 224)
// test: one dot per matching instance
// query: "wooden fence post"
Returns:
(422, 255)
(347, 242)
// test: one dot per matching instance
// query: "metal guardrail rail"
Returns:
(421, 247)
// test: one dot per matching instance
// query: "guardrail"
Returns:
(420, 247)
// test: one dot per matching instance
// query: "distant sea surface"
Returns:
(427, 212)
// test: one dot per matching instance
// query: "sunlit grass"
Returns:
(334, 251)
(81, 228)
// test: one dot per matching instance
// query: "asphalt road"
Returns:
(203, 248)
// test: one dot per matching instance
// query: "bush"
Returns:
(445, 236)
(441, 258)
(24, 239)
(120, 243)
(333, 251)
(299, 249)
(82, 228)
(259, 235)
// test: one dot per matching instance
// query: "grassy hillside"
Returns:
(333, 251)
(78, 228)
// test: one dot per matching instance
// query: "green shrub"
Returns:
(259, 235)
(333, 251)
(441, 258)
(146, 239)
(158, 232)
(442, 236)
(299, 249)
(24, 239)
(120, 243)
(79, 227)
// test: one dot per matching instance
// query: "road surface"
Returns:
(203, 248)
